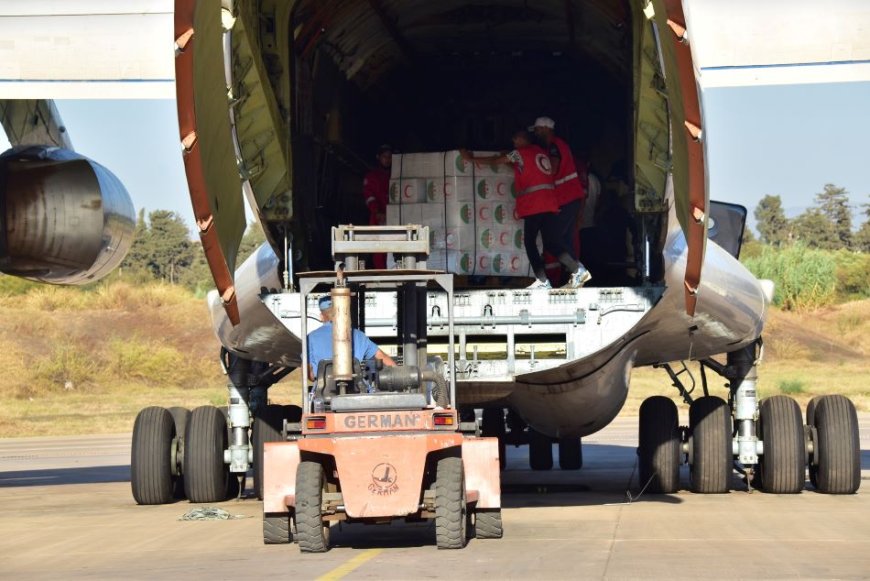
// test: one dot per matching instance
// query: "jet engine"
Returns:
(64, 219)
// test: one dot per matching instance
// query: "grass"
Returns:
(86, 361)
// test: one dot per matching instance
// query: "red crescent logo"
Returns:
(499, 189)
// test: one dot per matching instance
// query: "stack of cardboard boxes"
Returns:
(468, 207)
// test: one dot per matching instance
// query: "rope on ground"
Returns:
(210, 513)
(629, 498)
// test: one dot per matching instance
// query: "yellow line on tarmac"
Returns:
(342, 570)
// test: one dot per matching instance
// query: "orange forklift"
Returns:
(375, 443)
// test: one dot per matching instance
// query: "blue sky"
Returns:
(785, 140)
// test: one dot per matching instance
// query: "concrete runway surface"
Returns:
(67, 512)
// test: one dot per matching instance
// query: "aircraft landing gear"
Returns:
(509, 428)
(767, 443)
(204, 455)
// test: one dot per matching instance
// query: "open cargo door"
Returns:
(668, 130)
(232, 133)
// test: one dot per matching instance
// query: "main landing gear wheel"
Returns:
(659, 445)
(206, 476)
(837, 454)
(493, 426)
(150, 463)
(267, 428)
(540, 451)
(781, 430)
(711, 457)
(570, 453)
(312, 532)
(450, 505)
(180, 416)
(277, 529)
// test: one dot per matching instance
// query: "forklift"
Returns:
(379, 443)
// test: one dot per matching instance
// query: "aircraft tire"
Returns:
(659, 446)
(783, 464)
(267, 428)
(151, 457)
(312, 532)
(710, 425)
(837, 446)
(206, 476)
(180, 416)
(540, 451)
(450, 506)
(493, 426)
(570, 453)
(488, 524)
(277, 529)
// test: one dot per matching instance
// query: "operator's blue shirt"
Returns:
(320, 345)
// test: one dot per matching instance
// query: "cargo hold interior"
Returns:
(435, 76)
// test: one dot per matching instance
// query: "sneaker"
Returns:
(540, 284)
(579, 278)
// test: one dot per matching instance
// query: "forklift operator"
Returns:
(320, 342)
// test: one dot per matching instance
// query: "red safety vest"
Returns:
(567, 180)
(534, 183)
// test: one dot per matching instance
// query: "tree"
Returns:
(171, 250)
(771, 221)
(833, 202)
(814, 230)
(252, 240)
(862, 236)
(139, 256)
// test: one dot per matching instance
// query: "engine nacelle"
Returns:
(64, 219)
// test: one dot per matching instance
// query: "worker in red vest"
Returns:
(570, 193)
(536, 204)
(376, 190)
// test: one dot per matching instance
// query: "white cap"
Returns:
(543, 122)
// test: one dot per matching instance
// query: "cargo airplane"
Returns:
(282, 102)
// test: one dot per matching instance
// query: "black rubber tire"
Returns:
(151, 456)
(451, 520)
(180, 416)
(570, 453)
(267, 428)
(812, 463)
(488, 525)
(540, 451)
(712, 458)
(780, 428)
(838, 447)
(276, 529)
(493, 426)
(659, 445)
(206, 476)
(312, 532)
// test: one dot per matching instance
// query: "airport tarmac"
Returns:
(67, 512)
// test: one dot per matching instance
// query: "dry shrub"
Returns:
(67, 366)
(154, 363)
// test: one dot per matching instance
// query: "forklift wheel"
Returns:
(312, 533)
(450, 507)
(487, 524)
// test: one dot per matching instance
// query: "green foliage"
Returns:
(833, 202)
(152, 362)
(813, 230)
(771, 221)
(65, 367)
(11, 286)
(792, 386)
(805, 278)
(853, 274)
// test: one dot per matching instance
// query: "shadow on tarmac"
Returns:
(60, 476)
